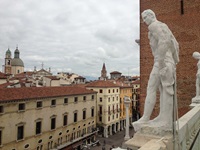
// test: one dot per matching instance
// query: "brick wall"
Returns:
(185, 28)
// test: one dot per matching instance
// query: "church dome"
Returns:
(8, 52)
(17, 62)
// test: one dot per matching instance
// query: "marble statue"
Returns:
(196, 99)
(165, 50)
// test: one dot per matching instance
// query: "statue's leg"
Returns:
(167, 110)
(157, 119)
(150, 100)
(197, 86)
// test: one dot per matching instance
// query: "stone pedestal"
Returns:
(151, 138)
(196, 100)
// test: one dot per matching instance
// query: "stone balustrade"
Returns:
(187, 137)
(189, 126)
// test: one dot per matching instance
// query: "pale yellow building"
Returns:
(41, 118)
(108, 106)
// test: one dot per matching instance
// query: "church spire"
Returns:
(104, 72)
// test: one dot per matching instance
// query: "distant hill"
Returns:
(90, 78)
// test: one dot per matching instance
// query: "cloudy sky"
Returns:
(72, 35)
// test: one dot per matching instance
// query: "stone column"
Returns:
(111, 130)
(106, 132)
(114, 126)
(127, 102)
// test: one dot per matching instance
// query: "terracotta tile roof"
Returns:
(4, 85)
(80, 85)
(24, 74)
(3, 75)
(17, 78)
(79, 77)
(53, 77)
(115, 72)
(102, 83)
(136, 82)
(12, 94)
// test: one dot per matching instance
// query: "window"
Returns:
(39, 104)
(113, 117)
(38, 127)
(53, 123)
(92, 97)
(65, 100)
(75, 116)
(100, 91)
(1, 109)
(39, 147)
(100, 119)
(21, 107)
(100, 99)
(0, 137)
(109, 91)
(113, 90)
(53, 102)
(65, 120)
(20, 132)
(108, 99)
(117, 90)
(108, 118)
(75, 99)
(84, 98)
(84, 114)
(92, 112)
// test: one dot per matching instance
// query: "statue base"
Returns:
(196, 99)
(151, 138)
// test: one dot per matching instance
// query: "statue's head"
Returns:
(148, 16)
(196, 55)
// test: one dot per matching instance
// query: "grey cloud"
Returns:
(72, 35)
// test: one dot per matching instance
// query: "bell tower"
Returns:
(103, 73)
(7, 68)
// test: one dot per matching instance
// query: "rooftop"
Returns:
(12, 94)
(102, 83)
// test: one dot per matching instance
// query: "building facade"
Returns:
(108, 106)
(44, 118)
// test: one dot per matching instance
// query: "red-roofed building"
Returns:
(79, 80)
(115, 75)
(3, 78)
(47, 117)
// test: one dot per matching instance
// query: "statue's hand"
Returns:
(163, 71)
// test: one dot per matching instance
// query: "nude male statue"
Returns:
(165, 50)
(196, 99)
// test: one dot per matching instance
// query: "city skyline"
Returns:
(72, 36)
